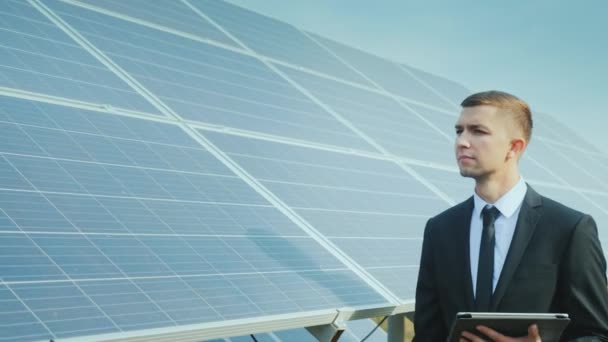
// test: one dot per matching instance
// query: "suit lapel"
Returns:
(461, 241)
(529, 215)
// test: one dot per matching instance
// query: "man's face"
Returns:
(482, 141)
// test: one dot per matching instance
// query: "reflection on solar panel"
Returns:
(193, 169)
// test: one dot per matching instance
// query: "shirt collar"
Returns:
(507, 204)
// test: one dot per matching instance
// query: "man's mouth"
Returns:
(464, 158)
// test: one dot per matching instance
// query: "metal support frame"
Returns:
(396, 328)
(325, 325)
(328, 332)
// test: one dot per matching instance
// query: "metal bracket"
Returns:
(328, 332)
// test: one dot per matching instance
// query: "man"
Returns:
(507, 248)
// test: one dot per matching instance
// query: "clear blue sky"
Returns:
(553, 54)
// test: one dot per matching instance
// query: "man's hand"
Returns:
(533, 335)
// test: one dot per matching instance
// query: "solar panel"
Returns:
(275, 39)
(555, 131)
(38, 57)
(170, 15)
(209, 84)
(385, 74)
(449, 90)
(553, 159)
(155, 245)
(379, 117)
(324, 187)
(192, 167)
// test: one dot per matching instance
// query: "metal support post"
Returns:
(396, 328)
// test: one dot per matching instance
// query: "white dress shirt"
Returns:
(508, 205)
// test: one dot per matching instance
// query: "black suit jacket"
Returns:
(555, 263)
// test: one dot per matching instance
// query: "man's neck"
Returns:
(490, 190)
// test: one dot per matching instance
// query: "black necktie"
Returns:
(485, 267)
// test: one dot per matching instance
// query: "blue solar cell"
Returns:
(298, 155)
(157, 132)
(102, 149)
(111, 125)
(387, 252)
(386, 74)
(77, 257)
(189, 159)
(178, 255)
(130, 255)
(40, 57)
(20, 111)
(442, 120)
(209, 84)
(32, 212)
(383, 119)
(172, 14)
(14, 140)
(17, 139)
(395, 278)
(358, 224)
(10, 178)
(451, 183)
(6, 224)
(66, 300)
(276, 39)
(325, 186)
(86, 213)
(140, 153)
(552, 157)
(549, 127)
(577, 162)
(134, 216)
(66, 118)
(17, 321)
(90, 177)
(56, 143)
(45, 174)
(17, 248)
(451, 90)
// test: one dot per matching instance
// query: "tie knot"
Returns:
(489, 214)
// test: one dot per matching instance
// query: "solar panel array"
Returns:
(168, 163)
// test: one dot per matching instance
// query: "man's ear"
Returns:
(517, 148)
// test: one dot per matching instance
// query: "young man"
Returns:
(507, 248)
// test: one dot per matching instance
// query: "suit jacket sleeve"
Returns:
(584, 293)
(428, 320)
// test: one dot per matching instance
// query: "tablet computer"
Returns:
(550, 325)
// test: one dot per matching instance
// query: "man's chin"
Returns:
(468, 173)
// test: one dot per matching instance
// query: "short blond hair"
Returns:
(515, 106)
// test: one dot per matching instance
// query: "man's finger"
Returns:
(534, 333)
(471, 337)
(493, 334)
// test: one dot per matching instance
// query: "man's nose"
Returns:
(462, 140)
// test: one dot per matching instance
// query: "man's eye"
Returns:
(458, 131)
